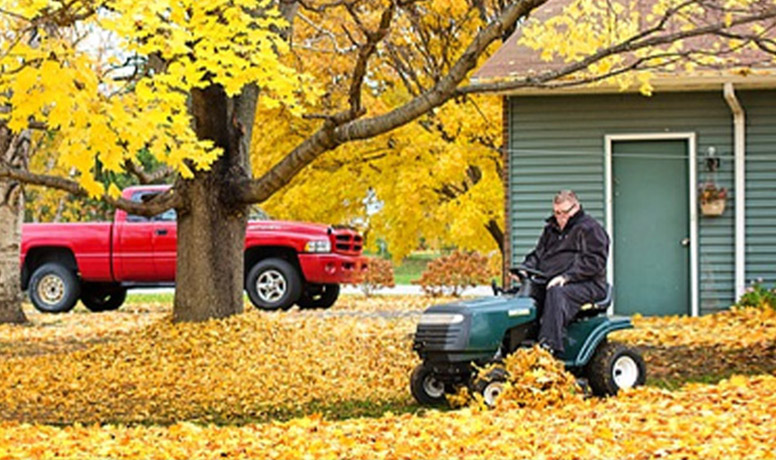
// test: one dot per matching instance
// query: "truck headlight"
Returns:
(440, 319)
(318, 246)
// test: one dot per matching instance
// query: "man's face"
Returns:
(564, 211)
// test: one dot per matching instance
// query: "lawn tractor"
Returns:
(456, 339)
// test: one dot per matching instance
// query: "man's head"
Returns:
(564, 206)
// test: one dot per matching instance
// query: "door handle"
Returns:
(161, 231)
(685, 242)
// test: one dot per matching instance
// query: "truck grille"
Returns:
(348, 243)
(431, 337)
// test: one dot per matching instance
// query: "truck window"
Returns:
(141, 197)
(137, 197)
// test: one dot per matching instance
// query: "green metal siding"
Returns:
(558, 142)
(760, 110)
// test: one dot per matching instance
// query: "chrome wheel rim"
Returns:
(51, 289)
(271, 286)
(492, 392)
(433, 387)
(625, 372)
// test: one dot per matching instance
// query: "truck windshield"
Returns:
(254, 211)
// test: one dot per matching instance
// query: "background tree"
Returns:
(185, 78)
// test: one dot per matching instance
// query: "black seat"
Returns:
(597, 307)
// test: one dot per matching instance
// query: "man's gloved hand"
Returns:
(559, 280)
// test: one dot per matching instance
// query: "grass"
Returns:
(412, 267)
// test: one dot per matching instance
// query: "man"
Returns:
(572, 252)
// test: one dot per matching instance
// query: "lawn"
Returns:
(129, 384)
(412, 267)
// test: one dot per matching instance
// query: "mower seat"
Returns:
(597, 307)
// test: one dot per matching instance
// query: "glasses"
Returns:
(565, 212)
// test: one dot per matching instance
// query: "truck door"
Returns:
(133, 247)
(164, 243)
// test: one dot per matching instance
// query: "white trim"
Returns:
(739, 149)
(693, 205)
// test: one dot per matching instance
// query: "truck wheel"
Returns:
(319, 296)
(491, 385)
(54, 288)
(273, 284)
(426, 388)
(615, 366)
(103, 297)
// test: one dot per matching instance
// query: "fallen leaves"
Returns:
(121, 373)
(734, 419)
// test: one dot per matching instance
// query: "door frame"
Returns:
(690, 137)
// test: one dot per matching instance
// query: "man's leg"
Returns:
(561, 304)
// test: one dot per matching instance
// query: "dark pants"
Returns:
(560, 304)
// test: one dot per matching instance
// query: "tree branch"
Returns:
(160, 203)
(625, 47)
(330, 136)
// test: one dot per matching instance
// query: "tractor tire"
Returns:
(103, 297)
(54, 288)
(613, 367)
(322, 296)
(491, 385)
(425, 388)
(273, 284)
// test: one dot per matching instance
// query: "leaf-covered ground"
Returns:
(129, 384)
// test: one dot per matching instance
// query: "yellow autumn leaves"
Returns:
(111, 78)
(128, 384)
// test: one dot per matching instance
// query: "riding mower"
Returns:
(455, 340)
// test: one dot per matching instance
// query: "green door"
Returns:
(651, 227)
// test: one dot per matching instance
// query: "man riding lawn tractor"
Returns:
(561, 305)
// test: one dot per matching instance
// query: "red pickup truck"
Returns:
(285, 262)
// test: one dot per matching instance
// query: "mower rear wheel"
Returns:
(426, 388)
(491, 385)
(614, 367)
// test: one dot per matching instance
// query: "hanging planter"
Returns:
(712, 199)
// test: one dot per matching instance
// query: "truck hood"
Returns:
(286, 226)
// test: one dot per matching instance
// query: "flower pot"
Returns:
(713, 208)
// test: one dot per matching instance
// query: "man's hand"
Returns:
(557, 281)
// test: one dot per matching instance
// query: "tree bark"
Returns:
(211, 223)
(14, 150)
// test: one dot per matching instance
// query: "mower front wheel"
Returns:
(426, 388)
(614, 367)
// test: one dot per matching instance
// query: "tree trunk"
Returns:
(211, 223)
(14, 151)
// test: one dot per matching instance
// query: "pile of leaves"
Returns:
(450, 275)
(249, 366)
(534, 380)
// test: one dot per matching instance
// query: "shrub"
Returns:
(378, 274)
(758, 296)
(450, 275)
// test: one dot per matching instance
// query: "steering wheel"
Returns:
(522, 270)
(496, 289)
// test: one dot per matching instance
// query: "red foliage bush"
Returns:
(378, 275)
(450, 275)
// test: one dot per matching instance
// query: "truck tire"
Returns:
(54, 288)
(103, 297)
(273, 284)
(319, 296)
(615, 366)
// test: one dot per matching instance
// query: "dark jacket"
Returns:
(579, 252)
